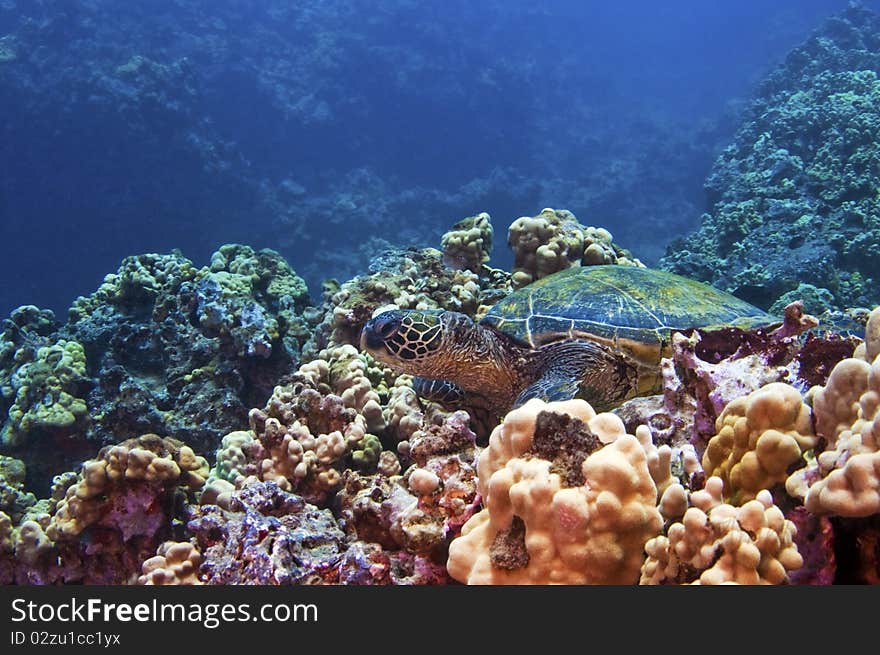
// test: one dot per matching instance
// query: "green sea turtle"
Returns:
(595, 332)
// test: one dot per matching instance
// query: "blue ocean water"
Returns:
(328, 129)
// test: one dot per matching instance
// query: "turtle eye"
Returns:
(386, 326)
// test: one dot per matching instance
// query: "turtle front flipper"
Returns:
(444, 392)
(582, 369)
(554, 385)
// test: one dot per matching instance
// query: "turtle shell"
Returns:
(629, 308)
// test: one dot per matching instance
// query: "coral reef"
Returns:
(792, 199)
(43, 385)
(161, 346)
(323, 438)
(367, 564)
(47, 394)
(266, 536)
(760, 437)
(14, 499)
(101, 525)
(173, 341)
(708, 370)
(309, 431)
(757, 463)
(423, 509)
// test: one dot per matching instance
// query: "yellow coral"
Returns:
(175, 563)
(844, 478)
(468, 244)
(759, 437)
(6, 538)
(232, 456)
(299, 440)
(294, 453)
(403, 414)
(554, 241)
(343, 371)
(537, 528)
(717, 543)
(543, 244)
(836, 405)
(31, 542)
(149, 459)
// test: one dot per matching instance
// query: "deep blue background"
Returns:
(315, 128)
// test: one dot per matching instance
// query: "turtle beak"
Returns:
(369, 338)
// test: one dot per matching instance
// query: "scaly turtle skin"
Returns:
(594, 332)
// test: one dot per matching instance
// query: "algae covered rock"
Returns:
(793, 200)
(162, 346)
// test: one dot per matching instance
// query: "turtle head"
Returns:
(415, 341)
(450, 351)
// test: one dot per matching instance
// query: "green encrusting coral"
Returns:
(139, 281)
(366, 456)
(47, 392)
(14, 499)
(252, 298)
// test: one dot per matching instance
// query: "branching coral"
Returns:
(718, 543)
(310, 430)
(560, 507)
